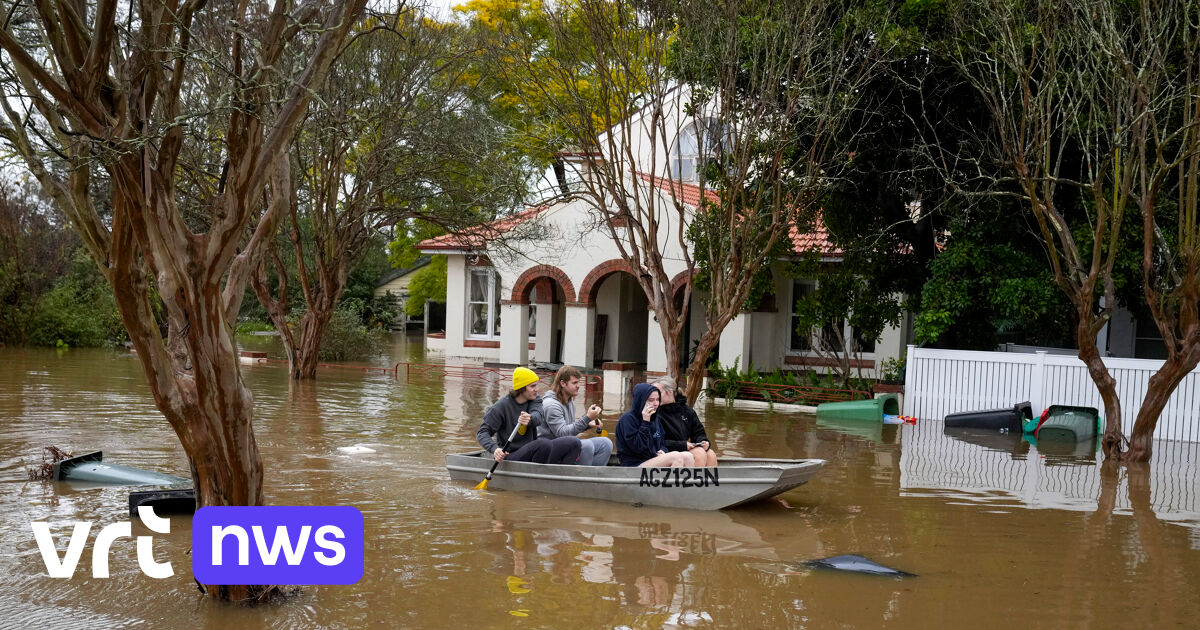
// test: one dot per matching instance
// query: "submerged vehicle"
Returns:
(734, 482)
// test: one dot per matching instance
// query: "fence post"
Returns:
(909, 381)
(1037, 388)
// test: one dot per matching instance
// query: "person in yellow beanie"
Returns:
(522, 410)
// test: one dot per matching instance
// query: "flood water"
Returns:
(998, 533)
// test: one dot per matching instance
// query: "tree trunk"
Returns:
(699, 362)
(303, 362)
(197, 384)
(1089, 353)
(1158, 391)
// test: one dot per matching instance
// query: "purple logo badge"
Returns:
(278, 545)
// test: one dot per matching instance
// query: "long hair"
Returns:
(561, 378)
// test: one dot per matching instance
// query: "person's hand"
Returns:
(661, 453)
(704, 443)
(499, 454)
(523, 418)
(594, 411)
(596, 424)
(690, 446)
(648, 411)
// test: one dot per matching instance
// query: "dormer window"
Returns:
(696, 144)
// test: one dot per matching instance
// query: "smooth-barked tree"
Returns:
(172, 117)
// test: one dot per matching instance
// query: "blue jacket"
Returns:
(638, 440)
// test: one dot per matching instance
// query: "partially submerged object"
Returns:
(178, 499)
(1010, 419)
(857, 564)
(357, 449)
(1065, 423)
(89, 467)
(735, 481)
(872, 410)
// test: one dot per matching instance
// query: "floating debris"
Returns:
(857, 564)
(51, 455)
(357, 449)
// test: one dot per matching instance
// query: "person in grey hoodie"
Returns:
(558, 410)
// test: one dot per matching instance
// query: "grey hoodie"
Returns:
(559, 419)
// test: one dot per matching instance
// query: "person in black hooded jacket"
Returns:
(640, 437)
(682, 430)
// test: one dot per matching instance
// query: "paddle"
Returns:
(483, 484)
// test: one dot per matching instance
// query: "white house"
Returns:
(563, 293)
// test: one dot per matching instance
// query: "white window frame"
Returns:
(492, 303)
(706, 140)
(815, 339)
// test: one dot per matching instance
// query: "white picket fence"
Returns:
(940, 382)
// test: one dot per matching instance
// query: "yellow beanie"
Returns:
(522, 377)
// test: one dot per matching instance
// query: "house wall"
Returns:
(398, 286)
(456, 313)
(769, 345)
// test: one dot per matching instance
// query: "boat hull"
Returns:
(734, 482)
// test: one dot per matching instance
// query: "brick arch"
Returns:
(680, 279)
(524, 284)
(591, 284)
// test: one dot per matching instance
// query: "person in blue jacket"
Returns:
(640, 436)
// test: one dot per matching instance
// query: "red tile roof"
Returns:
(477, 237)
(688, 193)
(815, 241)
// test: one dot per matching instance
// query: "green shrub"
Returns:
(78, 311)
(254, 326)
(347, 339)
(892, 370)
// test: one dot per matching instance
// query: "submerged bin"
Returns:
(1009, 418)
(871, 410)
(89, 467)
(1069, 424)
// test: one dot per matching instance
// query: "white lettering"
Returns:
(283, 540)
(66, 568)
(243, 541)
(104, 541)
(338, 549)
(145, 544)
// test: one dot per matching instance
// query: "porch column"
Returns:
(735, 342)
(578, 331)
(656, 346)
(456, 305)
(545, 333)
(514, 334)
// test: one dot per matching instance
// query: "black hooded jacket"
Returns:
(680, 425)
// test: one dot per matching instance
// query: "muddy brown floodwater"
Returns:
(999, 534)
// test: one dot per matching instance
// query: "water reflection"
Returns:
(987, 521)
(1006, 469)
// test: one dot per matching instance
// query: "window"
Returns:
(696, 143)
(683, 166)
(800, 342)
(830, 335)
(483, 303)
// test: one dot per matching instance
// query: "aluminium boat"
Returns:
(734, 482)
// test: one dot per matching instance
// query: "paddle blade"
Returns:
(482, 484)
